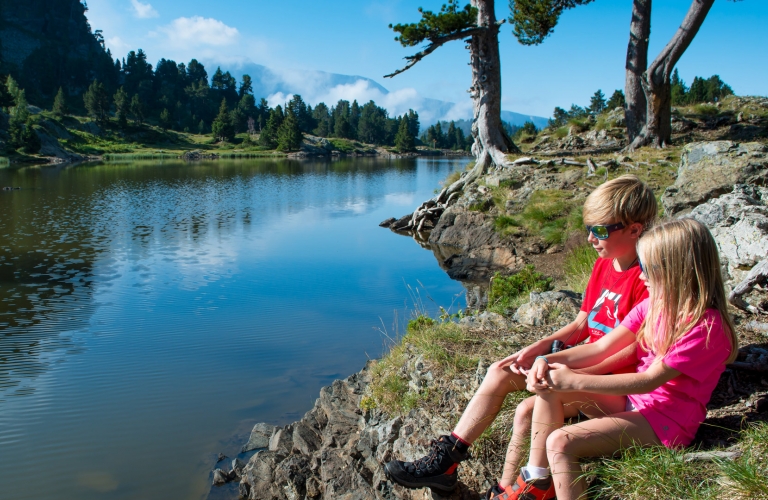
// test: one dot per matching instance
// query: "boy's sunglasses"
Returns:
(602, 232)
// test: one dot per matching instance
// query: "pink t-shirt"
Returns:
(676, 409)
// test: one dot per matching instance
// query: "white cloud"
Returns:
(143, 10)
(117, 45)
(196, 31)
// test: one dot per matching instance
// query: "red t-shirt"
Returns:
(609, 297)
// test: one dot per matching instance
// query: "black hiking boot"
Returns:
(437, 470)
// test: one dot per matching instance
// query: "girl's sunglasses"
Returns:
(602, 232)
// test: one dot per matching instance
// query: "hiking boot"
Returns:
(437, 470)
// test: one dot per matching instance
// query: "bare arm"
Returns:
(625, 357)
(588, 355)
(561, 378)
(573, 332)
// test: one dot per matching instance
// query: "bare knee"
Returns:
(523, 414)
(559, 442)
(502, 379)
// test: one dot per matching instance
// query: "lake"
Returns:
(152, 312)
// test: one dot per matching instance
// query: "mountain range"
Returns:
(320, 86)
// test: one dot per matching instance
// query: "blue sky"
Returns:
(586, 52)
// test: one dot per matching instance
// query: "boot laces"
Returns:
(431, 461)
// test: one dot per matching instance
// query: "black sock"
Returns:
(458, 443)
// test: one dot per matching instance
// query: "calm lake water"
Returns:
(151, 313)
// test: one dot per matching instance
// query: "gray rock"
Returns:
(238, 466)
(616, 118)
(387, 222)
(282, 440)
(709, 169)
(739, 223)
(259, 438)
(547, 308)
(305, 439)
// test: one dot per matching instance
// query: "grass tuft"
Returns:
(578, 267)
(655, 472)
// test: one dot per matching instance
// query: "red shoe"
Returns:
(540, 489)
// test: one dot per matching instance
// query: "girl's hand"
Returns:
(561, 378)
(520, 362)
(537, 380)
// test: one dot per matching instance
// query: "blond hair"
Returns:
(625, 199)
(682, 263)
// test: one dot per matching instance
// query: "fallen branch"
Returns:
(711, 456)
(754, 367)
(757, 276)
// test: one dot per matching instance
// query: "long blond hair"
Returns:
(682, 263)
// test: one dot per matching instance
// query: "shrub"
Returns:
(561, 132)
(579, 125)
(705, 109)
(506, 291)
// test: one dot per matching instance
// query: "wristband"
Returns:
(541, 357)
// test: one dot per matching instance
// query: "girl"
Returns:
(685, 337)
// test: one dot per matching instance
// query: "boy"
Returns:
(616, 214)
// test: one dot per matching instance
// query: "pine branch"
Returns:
(434, 44)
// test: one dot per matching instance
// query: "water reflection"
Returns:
(156, 308)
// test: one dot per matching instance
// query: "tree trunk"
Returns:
(637, 62)
(656, 80)
(491, 141)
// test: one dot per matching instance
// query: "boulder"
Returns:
(709, 169)
(547, 308)
(259, 437)
(739, 223)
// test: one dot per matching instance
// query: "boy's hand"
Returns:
(520, 362)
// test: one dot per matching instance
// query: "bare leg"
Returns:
(486, 403)
(598, 437)
(521, 432)
(552, 408)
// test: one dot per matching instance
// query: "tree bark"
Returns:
(657, 131)
(637, 62)
(492, 144)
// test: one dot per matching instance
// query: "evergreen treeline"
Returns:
(444, 135)
(710, 89)
(180, 97)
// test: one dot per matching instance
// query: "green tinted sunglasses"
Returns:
(602, 232)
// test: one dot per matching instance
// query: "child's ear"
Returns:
(636, 229)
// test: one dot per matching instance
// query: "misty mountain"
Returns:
(321, 86)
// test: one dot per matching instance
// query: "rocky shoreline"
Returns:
(338, 448)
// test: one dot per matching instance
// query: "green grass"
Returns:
(437, 342)
(578, 267)
(705, 109)
(654, 472)
(561, 132)
(747, 476)
(508, 292)
(343, 145)
(579, 125)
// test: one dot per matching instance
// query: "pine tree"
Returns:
(289, 134)
(597, 103)
(121, 107)
(222, 127)
(616, 101)
(268, 136)
(165, 119)
(97, 102)
(60, 109)
(138, 110)
(678, 91)
(404, 141)
(6, 99)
